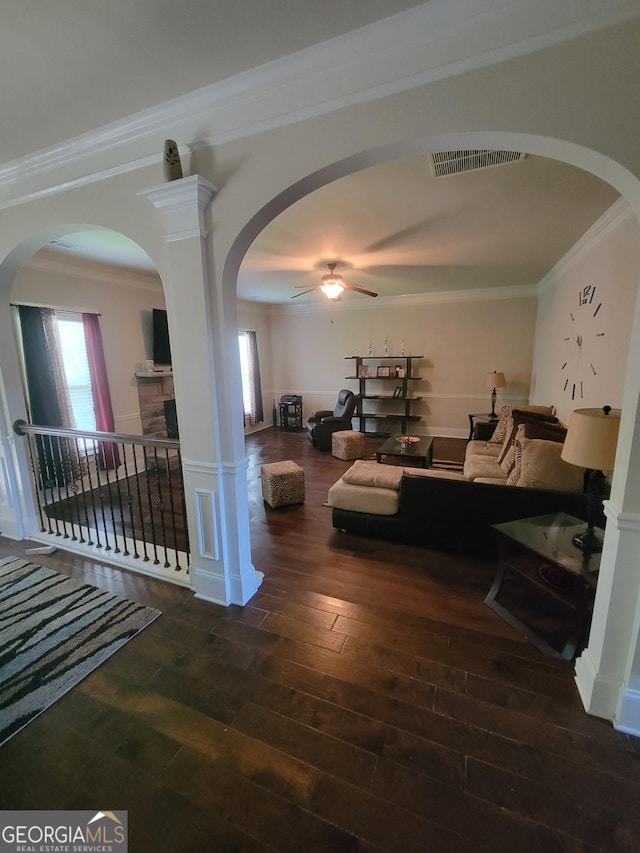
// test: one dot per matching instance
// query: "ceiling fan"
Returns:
(332, 285)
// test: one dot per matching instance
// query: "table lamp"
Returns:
(495, 380)
(591, 441)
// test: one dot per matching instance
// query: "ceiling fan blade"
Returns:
(359, 289)
(295, 295)
(300, 286)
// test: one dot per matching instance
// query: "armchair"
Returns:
(322, 424)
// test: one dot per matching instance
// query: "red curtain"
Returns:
(108, 456)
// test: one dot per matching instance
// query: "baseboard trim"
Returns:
(599, 694)
(628, 717)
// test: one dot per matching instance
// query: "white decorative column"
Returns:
(17, 516)
(215, 486)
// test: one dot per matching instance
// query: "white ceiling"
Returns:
(70, 66)
(393, 228)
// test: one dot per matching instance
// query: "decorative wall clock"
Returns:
(582, 345)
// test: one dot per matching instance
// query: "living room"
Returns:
(465, 109)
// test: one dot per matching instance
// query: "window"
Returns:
(76, 368)
(243, 340)
(250, 370)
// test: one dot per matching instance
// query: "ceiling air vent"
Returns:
(454, 162)
(63, 244)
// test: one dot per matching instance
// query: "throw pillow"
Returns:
(514, 474)
(542, 468)
(517, 417)
(509, 458)
(501, 427)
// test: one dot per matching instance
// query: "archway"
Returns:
(605, 670)
(96, 283)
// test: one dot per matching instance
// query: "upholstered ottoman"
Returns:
(347, 444)
(282, 483)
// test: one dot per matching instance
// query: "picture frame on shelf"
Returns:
(383, 372)
(398, 391)
(363, 371)
(400, 372)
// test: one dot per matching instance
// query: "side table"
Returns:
(291, 412)
(484, 421)
(539, 550)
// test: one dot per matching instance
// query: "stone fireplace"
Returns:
(157, 404)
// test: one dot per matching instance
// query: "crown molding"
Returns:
(612, 219)
(58, 263)
(410, 49)
(411, 300)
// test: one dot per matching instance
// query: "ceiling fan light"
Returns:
(331, 287)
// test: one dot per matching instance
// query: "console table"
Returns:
(539, 551)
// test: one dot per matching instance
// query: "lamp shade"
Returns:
(496, 380)
(592, 438)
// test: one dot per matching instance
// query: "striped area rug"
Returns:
(54, 631)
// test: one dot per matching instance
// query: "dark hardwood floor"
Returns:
(365, 699)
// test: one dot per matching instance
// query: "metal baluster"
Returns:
(184, 510)
(98, 543)
(156, 561)
(142, 534)
(51, 479)
(129, 505)
(177, 567)
(68, 473)
(101, 492)
(83, 493)
(118, 494)
(161, 503)
(37, 479)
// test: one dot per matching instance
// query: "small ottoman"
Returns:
(347, 444)
(282, 483)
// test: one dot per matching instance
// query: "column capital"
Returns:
(183, 202)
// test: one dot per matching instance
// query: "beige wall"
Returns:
(607, 258)
(461, 338)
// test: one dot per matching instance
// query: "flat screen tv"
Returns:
(161, 347)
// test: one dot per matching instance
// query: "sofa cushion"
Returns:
(482, 466)
(366, 473)
(475, 447)
(542, 468)
(433, 473)
(364, 498)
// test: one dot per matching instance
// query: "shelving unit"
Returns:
(400, 407)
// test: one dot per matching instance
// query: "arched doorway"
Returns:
(95, 293)
(605, 669)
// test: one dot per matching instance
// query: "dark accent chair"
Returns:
(322, 424)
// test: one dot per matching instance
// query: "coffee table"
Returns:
(419, 455)
(540, 551)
